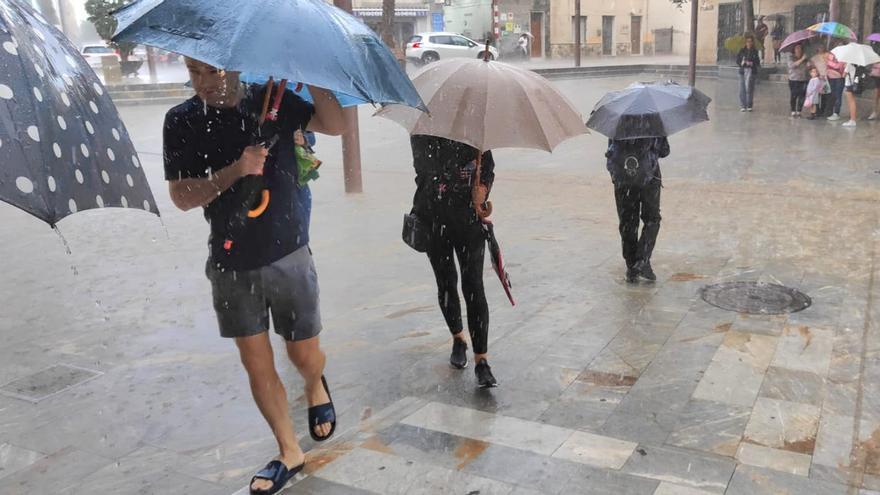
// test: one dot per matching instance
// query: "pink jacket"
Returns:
(835, 68)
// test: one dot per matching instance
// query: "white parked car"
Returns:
(430, 47)
(93, 54)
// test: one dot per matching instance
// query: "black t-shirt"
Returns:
(200, 140)
(445, 176)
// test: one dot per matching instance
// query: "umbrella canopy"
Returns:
(489, 105)
(796, 38)
(874, 37)
(300, 40)
(63, 147)
(649, 110)
(856, 54)
(834, 29)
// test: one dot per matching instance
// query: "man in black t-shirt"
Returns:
(263, 264)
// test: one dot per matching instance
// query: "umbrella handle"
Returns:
(261, 208)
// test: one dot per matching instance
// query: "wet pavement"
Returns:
(605, 388)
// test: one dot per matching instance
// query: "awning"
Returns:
(397, 12)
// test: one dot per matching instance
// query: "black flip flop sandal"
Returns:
(324, 413)
(277, 473)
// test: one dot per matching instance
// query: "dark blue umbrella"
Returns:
(300, 40)
(63, 147)
(649, 110)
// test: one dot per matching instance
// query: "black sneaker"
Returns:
(646, 271)
(459, 359)
(484, 375)
(632, 274)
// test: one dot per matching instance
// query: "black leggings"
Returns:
(798, 90)
(632, 203)
(468, 242)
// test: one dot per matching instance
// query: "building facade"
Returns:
(409, 18)
(620, 28)
(474, 19)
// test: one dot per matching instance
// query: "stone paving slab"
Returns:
(748, 480)
(681, 467)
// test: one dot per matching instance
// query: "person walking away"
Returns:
(749, 63)
(797, 80)
(849, 79)
(834, 74)
(523, 44)
(761, 31)
(875, 76)
(258, 265)
(445, 181)
(634, 166)
(814, 92)
(777, 36)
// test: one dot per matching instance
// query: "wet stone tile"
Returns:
(681, 467)
(777, 460)
(671, 489)
(314, 485)
(783, 425)
(794, 386)
(479, 425)
(764, 325)
(834, 441)
(578, 414)
(749, 480)
(595, 450)
(388, 474)
(804, 348)
(710, 427)
(53, 474)
(13, 458)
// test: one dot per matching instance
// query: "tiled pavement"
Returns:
(605, 388)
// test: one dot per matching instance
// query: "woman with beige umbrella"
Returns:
(469, 104)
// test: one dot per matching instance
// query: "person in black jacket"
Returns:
(444, 199)
(749, 62)
(635, 171)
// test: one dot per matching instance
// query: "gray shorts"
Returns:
(288, 287)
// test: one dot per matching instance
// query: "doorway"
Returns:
(635, 27)
(730, 23)
(537, 30)
(607, 35)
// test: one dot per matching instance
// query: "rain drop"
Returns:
(24, 185)
(51, 183)
(79, 176)
(33, 133)
(6, 92)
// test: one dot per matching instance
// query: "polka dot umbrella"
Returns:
(63, 147)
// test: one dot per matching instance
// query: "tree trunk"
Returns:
(386, 30)
(855, 16)
(834, 10)
(748, 16)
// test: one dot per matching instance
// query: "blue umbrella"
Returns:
(63, 147)
(299, 40)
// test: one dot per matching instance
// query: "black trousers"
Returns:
(634, 203)
(798, 90)
(464, 239)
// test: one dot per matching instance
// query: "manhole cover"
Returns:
(46, 383)
(756, 298)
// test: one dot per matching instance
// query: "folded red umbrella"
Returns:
(498, 260)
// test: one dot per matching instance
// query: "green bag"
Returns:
(307, 164)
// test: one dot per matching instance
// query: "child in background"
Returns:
(814, 92)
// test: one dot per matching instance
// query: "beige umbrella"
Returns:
(489, 105)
